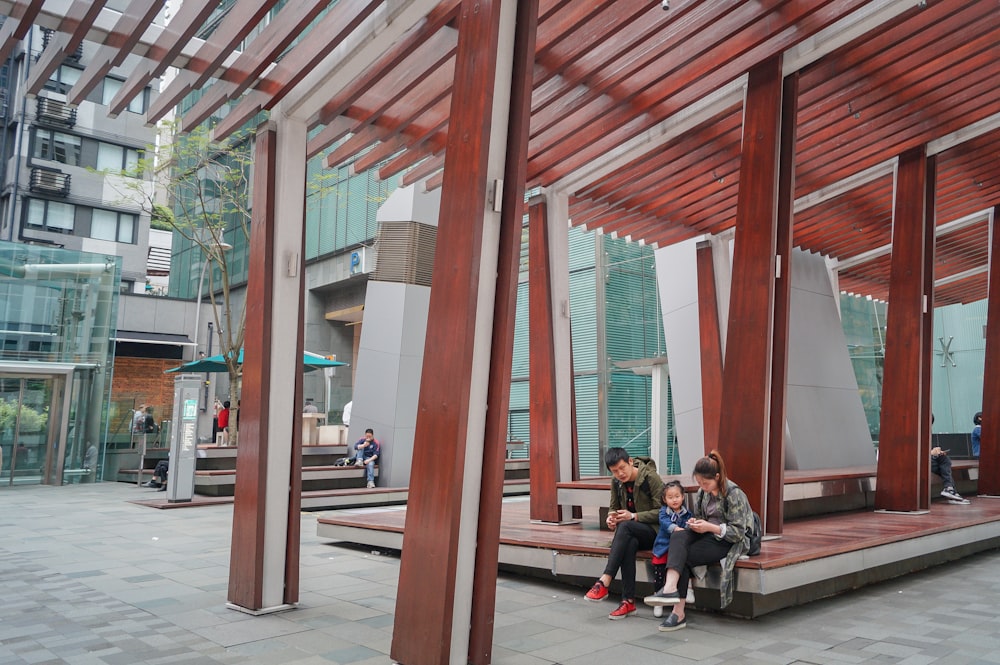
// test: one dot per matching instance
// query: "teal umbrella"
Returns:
(218, 364)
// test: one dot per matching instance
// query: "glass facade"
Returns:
(341, 208)
(615, 318)
(59, 309)
(957, 367)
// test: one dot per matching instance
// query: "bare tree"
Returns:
(207, 185)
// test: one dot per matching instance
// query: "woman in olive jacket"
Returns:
(718, 531)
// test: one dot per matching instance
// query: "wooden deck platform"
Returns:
(814, 558)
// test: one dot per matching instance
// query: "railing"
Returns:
(55, 112)
(49, 181)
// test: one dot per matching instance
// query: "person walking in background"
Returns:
(977, 431)
(310, 407)
(346, 417)
(634, 516)
(224, 421)
(368, 450)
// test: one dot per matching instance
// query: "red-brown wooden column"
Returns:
(746, 387)
(989, 452)
(711, 345)
(900, 463)
(434, 595)
(542, 370)
(927, 336)
(264, 558)
(498, 396)
(774, 510)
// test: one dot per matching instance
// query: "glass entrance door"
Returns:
(29, 427)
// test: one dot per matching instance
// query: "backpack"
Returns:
(754, 535)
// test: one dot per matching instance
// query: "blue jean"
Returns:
(370, 471)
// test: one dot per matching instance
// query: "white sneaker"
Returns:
(370, 484)
(658, 611)
(358, 461)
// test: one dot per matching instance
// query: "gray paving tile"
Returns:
(90, 579)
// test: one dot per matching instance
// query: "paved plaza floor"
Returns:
(88, 578)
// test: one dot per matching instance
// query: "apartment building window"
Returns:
(111, 157)
(111, 88)
(57, 146)
(73, 150)
(63, 79)
(114, 226)
(51, 216)
(58, 217)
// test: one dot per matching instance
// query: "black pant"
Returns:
(160, 470)
(630, 537)
(688, 549)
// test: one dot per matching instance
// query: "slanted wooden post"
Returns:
(498, 397)
(927, 336)
(902, 468)
(443, 518)
(774, 507)
(746, 386)
(711, 344)
(989, 455)
(264, 558)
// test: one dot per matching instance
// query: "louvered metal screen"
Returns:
(405, 253)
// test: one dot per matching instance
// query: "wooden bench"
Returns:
(359, 497)
(222, 482)
(806, 493)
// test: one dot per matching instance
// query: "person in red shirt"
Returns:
(224, 420)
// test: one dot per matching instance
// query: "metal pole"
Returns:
(197, 307)
(204, 403)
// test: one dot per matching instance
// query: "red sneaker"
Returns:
(597, 592)
(627, 608)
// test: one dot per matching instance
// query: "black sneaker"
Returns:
(672, 622)
(950, 493)
(152, 483)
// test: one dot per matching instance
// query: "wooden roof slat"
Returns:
(360, 140)
(22, 15)
(675, 161)
(396, 54)
(337, 129)
(431, 141)
(430, 166)
(420, 93)
(747, 44)
(380, 153)
(874, 95)
(112, 53)
(911, 127)
(72, 30)
(188, 21)
(241, 19)
(588, 33)
(571, 93)
(331, 31)
(276, 36)
(823, 77)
